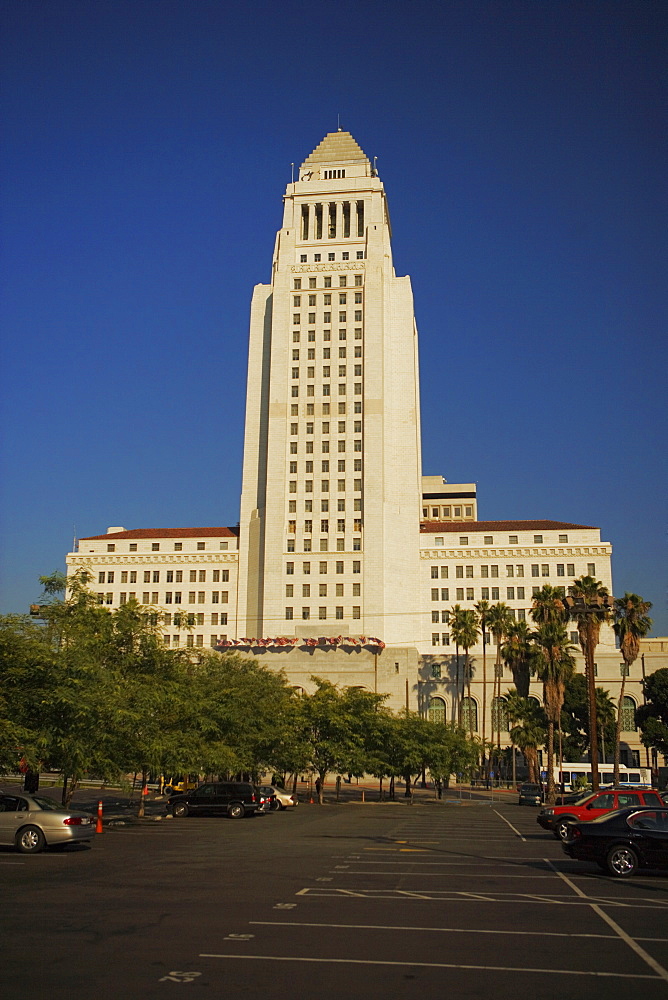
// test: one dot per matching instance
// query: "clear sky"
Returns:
(147, 145)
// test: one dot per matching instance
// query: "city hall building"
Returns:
(346, 559)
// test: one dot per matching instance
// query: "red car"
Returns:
(592, 805)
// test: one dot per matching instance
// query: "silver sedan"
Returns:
(32, 822)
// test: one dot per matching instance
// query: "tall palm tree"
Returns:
(556, 667)
(499, 621)
(548, 605)
(465, 631)
(453, 615)
(631, 624)
(482, 607)
(588, 605)
(527, 730)
(518, 652)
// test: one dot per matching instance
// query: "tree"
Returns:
(518, 654)
(575, 718)
(527, 730)
(453, 616)
(588, 606)
(499, 620)
(464, 630)
(631, 624)
(653, 715)
(555, 668)
(482, 607)
(548, 606)
(335, 723)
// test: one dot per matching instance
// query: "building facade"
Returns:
(346, 560)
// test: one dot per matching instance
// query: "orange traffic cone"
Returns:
(99, 827)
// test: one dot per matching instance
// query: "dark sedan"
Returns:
(621, 842)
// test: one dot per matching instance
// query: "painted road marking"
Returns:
(661, 972)
(429, 965)
(441, 930)
(513, 828)
(438, 895)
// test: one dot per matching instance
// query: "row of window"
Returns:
(307, 545)
(512, 570)
(327, 281)
(326, 371)
(345, 255)
(174, 641)
(489, 539)
(446, 513)
(325, 427)
(309, 410)
(500, 719)
(339, 567)
(324, 486)
(327, 317)
(178, 546)
(326, 335)
(170, 597)
(324, 526)
(312, 299)
(325, 389)
(324, 505)
(326, 353)
(322, 590)
(171, 576)
(322, 613)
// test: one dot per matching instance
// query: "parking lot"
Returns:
(355, 900)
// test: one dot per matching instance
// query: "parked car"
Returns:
(32, 822)
(219, 798)
(556, 818)
(530, 795)
(281, 798)
(621, 842)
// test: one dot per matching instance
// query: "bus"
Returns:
(578, 775)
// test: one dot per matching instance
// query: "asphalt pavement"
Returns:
(362, 900)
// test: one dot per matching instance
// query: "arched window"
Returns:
(534, 701)
(437, 710)
(629, 724)
(469, 714)
(499, 715)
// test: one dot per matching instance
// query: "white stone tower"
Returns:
(331, 496)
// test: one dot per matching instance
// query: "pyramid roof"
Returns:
(336, 147)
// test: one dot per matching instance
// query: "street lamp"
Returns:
(593, 611)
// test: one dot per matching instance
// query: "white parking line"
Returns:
(513, 828)
(435, 930)
(626, 938)
(438, 895)
(428, 965)
(467, 875)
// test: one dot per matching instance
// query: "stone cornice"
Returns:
(173, 559)
(599, 549)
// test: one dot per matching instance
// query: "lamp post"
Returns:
(594, 612)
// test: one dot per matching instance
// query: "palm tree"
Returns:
(588, 605)
(555, 668)
(453, 615)
(465, 631)
(548, 605)
(528, 731)
(518, 653)
(499, 620)
(482, 607)
(631, 624)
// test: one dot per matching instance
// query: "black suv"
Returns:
(228, 798)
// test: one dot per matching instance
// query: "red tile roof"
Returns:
(440, 527)
(165, 533)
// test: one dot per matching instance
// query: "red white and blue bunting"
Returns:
(283, 640)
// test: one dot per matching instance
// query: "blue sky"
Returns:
(147, 146)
